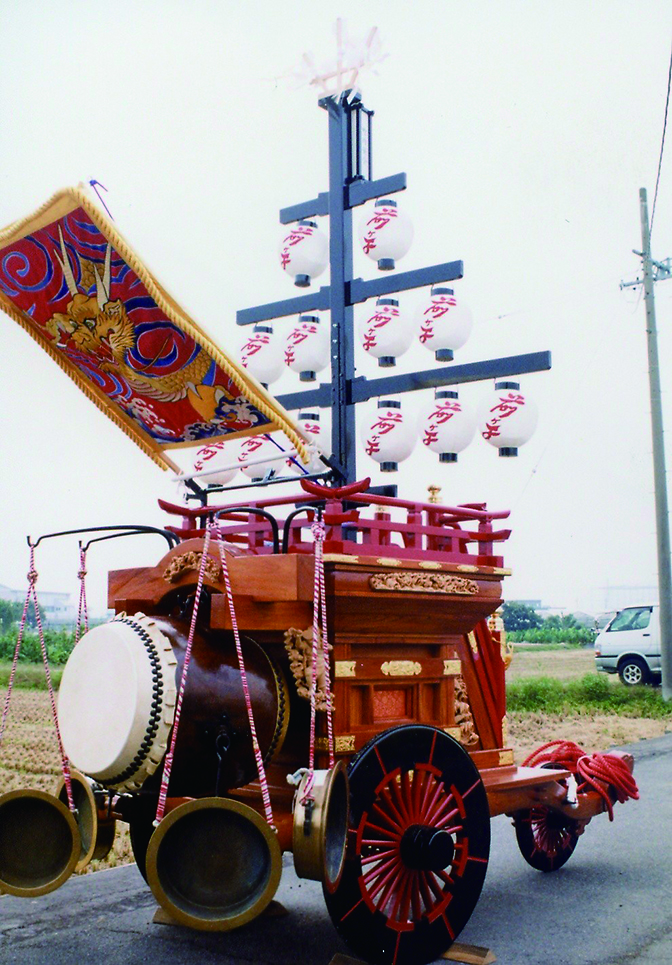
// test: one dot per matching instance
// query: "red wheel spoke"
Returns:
(415, 897)
(380, 869)
(407, 795)
(432, 804)
(376, 827)
(453, 829)
(434, 885)
(390, 876)
(400, 894)
(377, 843)
(405, 907)
(419, 779)
(429, 784)
(386, 799)
(385, 897)
(424, 891)
(439, 808)
(379, 856)
(394, 824)
(445, 877)
(400, 802)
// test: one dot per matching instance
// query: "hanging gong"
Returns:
(96, 833)
(321, 827)
(213, 864)
(39, 843)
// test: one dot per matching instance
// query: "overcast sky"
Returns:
(526, 130)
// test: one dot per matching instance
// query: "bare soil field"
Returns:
(594, 732)
(29, 752)
(561, 664)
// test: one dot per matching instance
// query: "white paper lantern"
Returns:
(309, 423)
(386, 333)
(385, 234)
(444, 323)
(307, 347)
(261, 355)
(389, 435)
(255, 447)
(304, 252)
(507, 418)
(445, 426)
(212, 456)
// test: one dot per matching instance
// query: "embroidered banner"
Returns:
(74, 284)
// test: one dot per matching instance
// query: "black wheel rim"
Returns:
(418, 847)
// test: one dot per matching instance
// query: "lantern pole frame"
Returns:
(349, 188)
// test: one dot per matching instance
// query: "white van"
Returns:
(629, 645)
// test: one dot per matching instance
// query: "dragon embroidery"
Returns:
(100, 326)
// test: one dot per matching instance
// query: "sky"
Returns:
(526, 131)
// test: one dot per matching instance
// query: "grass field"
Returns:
(29, 752)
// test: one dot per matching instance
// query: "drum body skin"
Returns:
(213, 752)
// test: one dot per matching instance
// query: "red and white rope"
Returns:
(168, 763)
(83, 608)
(17, 650)
(261, 770)
(600, 772)
(32, 594)
(319, 634)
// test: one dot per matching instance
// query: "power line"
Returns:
(662, 144)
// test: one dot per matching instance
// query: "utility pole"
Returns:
(657, 271)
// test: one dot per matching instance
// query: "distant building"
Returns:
(55, 607)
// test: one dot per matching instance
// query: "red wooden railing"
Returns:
(360, 524)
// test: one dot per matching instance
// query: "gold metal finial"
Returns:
(434, 494)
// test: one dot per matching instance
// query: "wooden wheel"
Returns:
(546, 838)
(417, 848)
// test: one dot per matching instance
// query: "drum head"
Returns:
(117, 700)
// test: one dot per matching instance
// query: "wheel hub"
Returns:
(424, 848)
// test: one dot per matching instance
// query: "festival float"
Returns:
(319, 672)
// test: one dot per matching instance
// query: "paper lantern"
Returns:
(261, 355)
(386, 333)
(309, 423)
(508, 418)
(445, 426)
(307, 347)
(256, 447)
(212, 456)
(388, 435)
(444, 323)
(304, 252)
(385, 234)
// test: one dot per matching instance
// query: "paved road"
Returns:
(610, 905)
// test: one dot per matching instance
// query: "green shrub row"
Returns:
(592, 694)
(59, 644)
(574, 636)
(29, 676)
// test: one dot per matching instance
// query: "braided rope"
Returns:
(32, 576)
(261, 770)
(600, 772)
(168, 762)
(319, 633)
(32, 592)
(83, 607)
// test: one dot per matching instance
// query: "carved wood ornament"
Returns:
(192, 561)
(463, 715)
(299, 647)
(423, 583)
